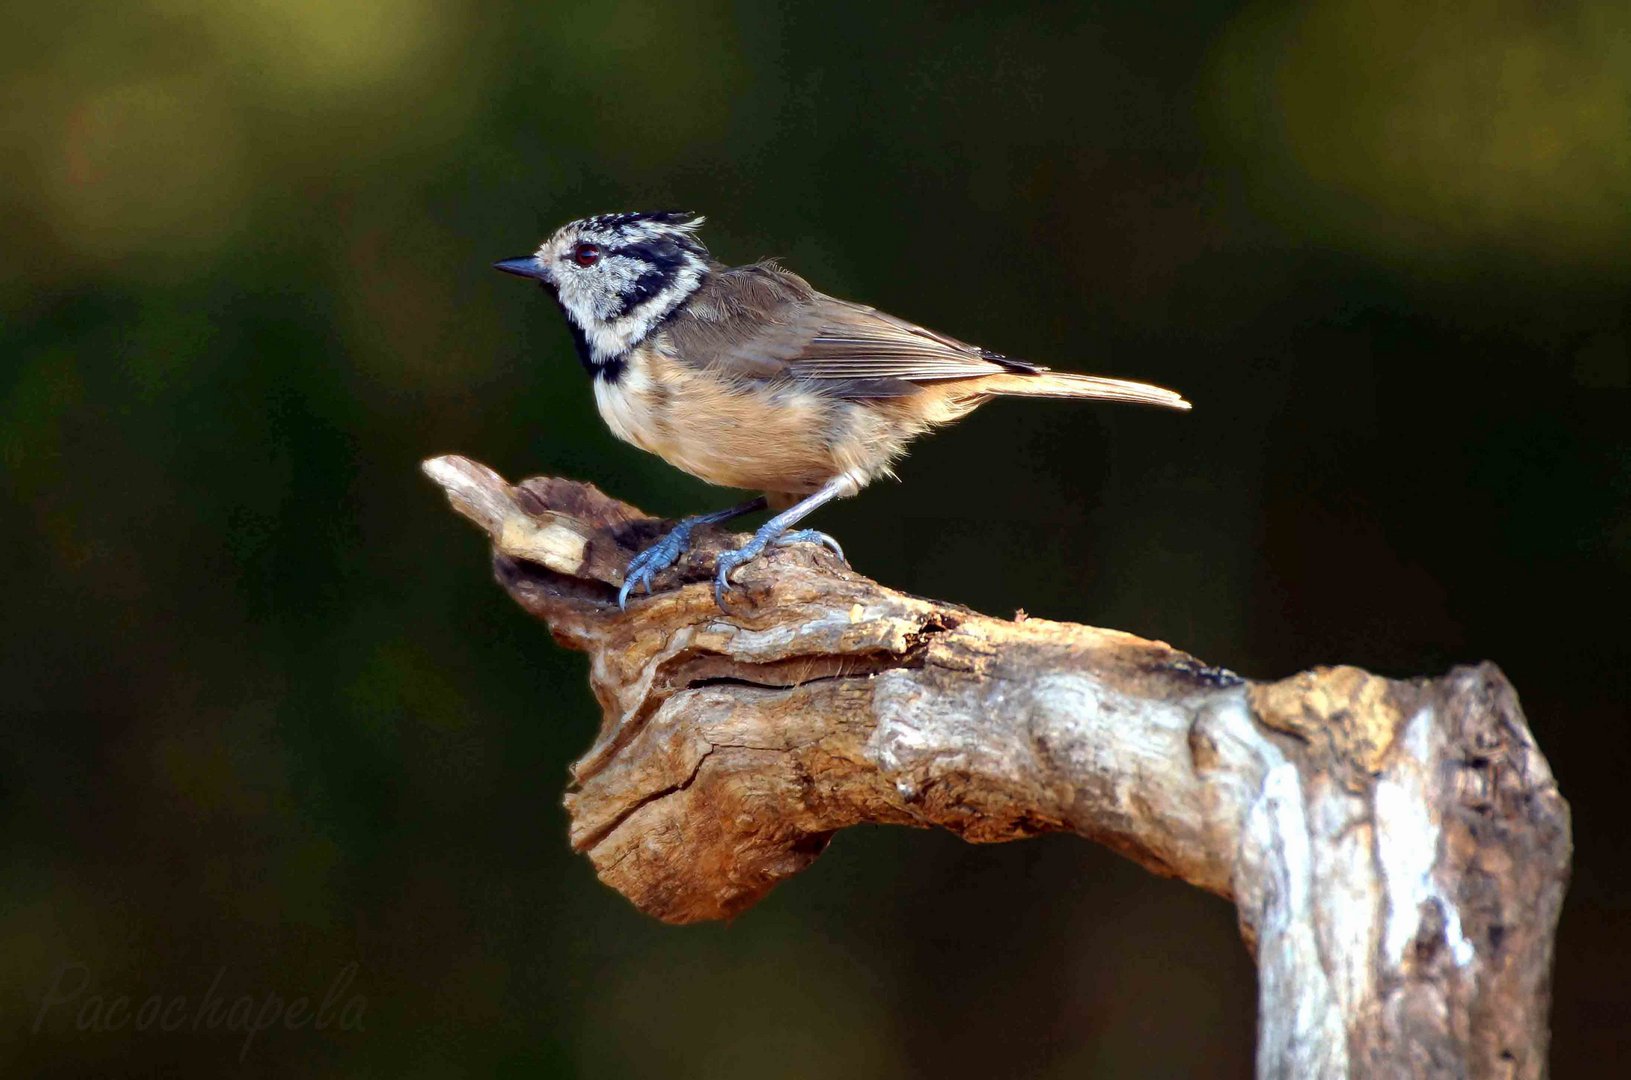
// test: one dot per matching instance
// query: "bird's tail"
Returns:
(1060, 384)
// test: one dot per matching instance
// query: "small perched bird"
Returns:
(749, 378)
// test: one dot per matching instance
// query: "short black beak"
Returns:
(525, 266)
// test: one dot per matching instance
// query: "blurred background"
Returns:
(268, 722)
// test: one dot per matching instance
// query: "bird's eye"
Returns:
(586, 254)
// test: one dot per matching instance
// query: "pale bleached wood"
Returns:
(1397, 850)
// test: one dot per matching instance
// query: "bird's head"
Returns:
(617, 275)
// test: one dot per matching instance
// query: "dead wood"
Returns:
(1397, 850)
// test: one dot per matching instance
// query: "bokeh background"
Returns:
(267, 721)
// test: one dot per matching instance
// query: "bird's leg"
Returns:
(667, 551)
(775, 531)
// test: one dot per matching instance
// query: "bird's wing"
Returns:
(763, 322)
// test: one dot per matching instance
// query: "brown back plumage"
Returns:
(764, 323)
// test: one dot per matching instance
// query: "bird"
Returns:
(750, 378)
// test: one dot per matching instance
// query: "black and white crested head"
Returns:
(616, 276)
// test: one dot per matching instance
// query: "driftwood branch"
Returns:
(1397, 850)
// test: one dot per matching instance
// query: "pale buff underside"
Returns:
(777, 437)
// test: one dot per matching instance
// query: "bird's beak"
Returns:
(526, 266)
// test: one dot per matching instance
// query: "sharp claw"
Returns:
(645, 566)
(813, 536)
(728, 561)
(832, 545)
(633, 578)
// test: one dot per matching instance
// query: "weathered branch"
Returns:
(1397, 850)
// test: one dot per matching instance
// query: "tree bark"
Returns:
(1397, 850)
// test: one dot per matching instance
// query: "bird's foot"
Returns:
(767, 535)
(667, 551)
(655, 559)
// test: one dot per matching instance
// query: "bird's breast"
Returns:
(754, 435)
(628, 403)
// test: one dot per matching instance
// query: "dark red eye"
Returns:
(586, 254)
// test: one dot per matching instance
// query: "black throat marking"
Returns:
(606, 369)
(580, 341)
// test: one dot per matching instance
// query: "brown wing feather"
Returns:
(763, 322)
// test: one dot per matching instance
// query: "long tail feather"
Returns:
(1060, 384)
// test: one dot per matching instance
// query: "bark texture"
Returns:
(1397, 850)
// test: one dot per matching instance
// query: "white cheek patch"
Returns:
(591, 298)
(594, 298)
(618, 274)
